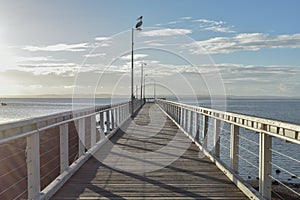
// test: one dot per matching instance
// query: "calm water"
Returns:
(283, 110)
(20, 109)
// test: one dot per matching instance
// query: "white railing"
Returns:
(230, 139)
(38, 156)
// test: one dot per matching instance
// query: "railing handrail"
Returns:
(34, 120)
(187, 118)
(81, 122)
(231, 117)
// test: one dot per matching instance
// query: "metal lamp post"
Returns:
(154, 88)
(145, 86)
(132, 95)
(137, 27)
(142, 72)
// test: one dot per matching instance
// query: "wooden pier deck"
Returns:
(133, 168)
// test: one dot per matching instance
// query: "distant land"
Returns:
(199, 97)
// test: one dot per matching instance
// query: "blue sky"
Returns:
(254, 45)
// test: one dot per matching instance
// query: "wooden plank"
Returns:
(189, 177)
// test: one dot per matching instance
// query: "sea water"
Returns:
(282, 110)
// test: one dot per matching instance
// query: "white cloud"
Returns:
(185, 18)
(220, 29)
(48, 65)
(246, 41)
(166, 32)
(102, 38)
(69, 86)
(36, 59)
(136, 56)
(94, 55)
(179, 20)
(61, 69)
(58, 47)
(215, 26)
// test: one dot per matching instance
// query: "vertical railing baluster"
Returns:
(81, 138)
(101, 125)
(93, 130)
(112, 118)
(64, 147)
(107, 122)
(204, 131)
(191, 123)
(265, 167)
(33, 166)
(180, 116)
(119, 115)
(197, 129)
(217, 138)
(234, 147)
(186, 122)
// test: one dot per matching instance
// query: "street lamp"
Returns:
(154, 88)
(145, 86)
(137, 27)
(142, 72)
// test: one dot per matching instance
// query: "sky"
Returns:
(202, 47)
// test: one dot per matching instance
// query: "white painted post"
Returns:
(234, 147)
(197, 128)
(181, 117)
(191, 123)
(64, 147)
(112, 118)
(107, 122)
(177, 114)
(265, 158)
(119, 115)
(93, 130)
(217, 138)
(101, 125)
(186, 122)
(33, 166)
(204, 131)
(81, 139)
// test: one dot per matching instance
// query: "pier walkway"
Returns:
(150, 158)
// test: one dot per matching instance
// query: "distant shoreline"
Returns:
(159, 96)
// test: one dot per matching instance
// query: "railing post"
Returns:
(64, 147)
(197, 131)
(81, 139)
(191, 123)
(101, 125)
(265, 158)
(180, 116)
(217, 138)
(186, 122)
(177, 114)
(93, 130)
(119, 116)
(112, 118)
(204, 131)
(234, 147)
(33, 166)
(107, 122)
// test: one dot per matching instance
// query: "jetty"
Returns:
(166, 150)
